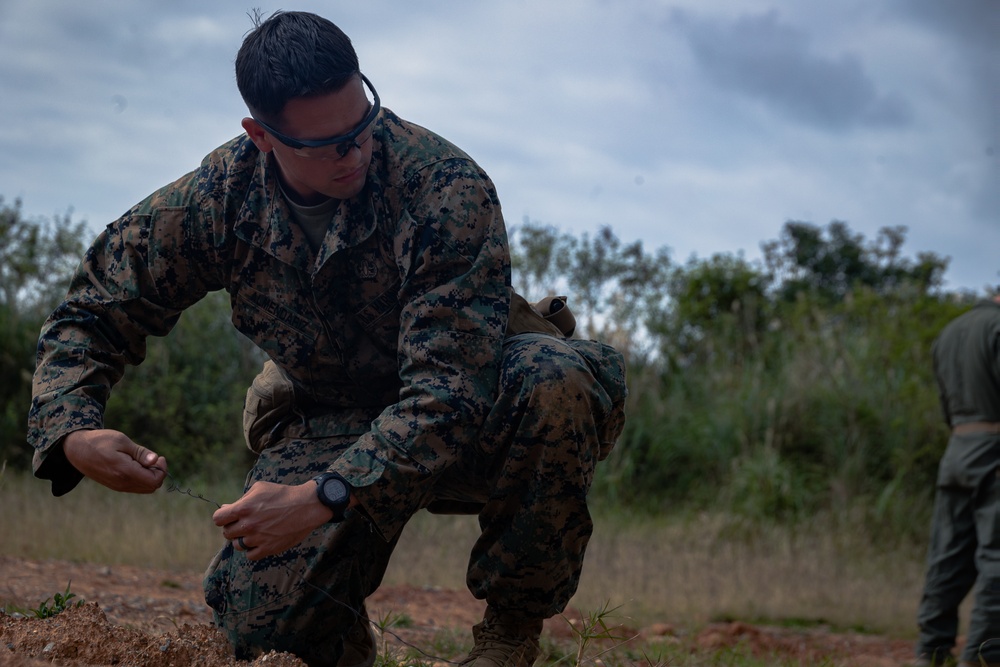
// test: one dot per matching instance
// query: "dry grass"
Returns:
(698, 570)
(691, 571)
(93, 524)
(685, 571)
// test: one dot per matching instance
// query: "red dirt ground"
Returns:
(134, 616)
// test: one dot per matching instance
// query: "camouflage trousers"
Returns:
(559, 410)
(964, 552)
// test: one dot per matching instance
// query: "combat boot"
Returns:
(504, 641)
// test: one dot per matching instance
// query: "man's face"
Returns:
(312, 176)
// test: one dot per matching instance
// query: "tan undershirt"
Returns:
(313, 220)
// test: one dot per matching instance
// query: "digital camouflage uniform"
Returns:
(391, 363)
(965, 534)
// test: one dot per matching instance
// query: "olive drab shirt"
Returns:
(399, 315)
(967, 365)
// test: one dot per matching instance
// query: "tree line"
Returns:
(772, 389)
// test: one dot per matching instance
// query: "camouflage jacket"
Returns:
(397, 320)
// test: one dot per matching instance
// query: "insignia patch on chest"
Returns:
(367, 267)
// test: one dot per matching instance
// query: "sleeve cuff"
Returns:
(52, 465)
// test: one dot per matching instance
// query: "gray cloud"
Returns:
(568, 104)
(971, 28)
(761, 58)
(975, 22)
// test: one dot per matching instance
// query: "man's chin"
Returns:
(347, 189)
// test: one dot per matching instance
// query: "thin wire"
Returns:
(174, 487)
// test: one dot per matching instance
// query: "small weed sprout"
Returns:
(383, 625)
(595, 628)
(60, 603)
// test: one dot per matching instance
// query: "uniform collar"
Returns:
(266, 222)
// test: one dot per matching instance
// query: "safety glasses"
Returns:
(332, 148)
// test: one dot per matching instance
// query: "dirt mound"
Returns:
(83, 635)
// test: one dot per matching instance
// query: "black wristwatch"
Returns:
(334, 492)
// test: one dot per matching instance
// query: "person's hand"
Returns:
(112, 459)
(271, 518)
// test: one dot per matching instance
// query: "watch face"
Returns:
(335, 491)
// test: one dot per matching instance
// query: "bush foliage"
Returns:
(773, 390)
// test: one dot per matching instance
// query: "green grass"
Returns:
(49, 607)
(600, 638)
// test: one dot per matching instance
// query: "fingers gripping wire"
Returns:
(174, 487)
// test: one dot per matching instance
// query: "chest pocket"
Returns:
(375, 304)
(283, 333)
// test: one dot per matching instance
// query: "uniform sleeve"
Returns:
(454, 257)
(133, 282)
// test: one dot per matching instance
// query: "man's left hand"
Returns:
(271, 518)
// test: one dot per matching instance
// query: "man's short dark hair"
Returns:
(289, 55)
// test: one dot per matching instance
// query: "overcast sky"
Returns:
(698, 126)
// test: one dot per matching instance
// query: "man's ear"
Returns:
(257, 135)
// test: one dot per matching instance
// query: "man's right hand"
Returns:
(112, 459)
